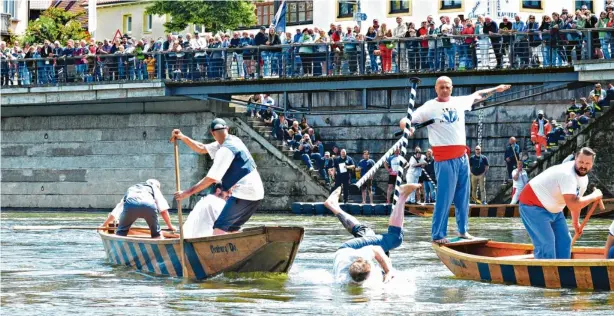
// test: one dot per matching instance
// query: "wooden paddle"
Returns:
(586, 218)
(57, 227)
(177, 181)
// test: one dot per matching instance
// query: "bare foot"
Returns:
(465, 236)
(441, 241)
(407, 189)
(333, 200)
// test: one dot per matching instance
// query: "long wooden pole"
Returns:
(178, 183)
(57, 227)
(586, 218)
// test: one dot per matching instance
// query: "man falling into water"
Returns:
(447, 137)
(365, 257)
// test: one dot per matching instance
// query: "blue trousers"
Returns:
(453, 186)
(366, 237)
(548, 231)
(611, 253)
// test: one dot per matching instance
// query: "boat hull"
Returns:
(259, 249)
(508, 263)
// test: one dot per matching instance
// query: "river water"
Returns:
(62, 272)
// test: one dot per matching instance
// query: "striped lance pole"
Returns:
(405, 140)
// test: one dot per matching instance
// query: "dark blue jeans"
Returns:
(135, 210)
(366, 237)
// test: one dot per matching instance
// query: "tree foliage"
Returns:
(55, 25)
(214, 15)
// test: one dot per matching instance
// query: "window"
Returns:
(9, 7)
(450, 5)
(147, 23)
(265, 13)
(532, 5)
(346, 8)
(588, 4)
(300, 12)
(127, 24)
(399, 6)
(200, 28)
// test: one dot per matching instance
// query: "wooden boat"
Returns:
(510, 263)
(499, 210)
(258, 249)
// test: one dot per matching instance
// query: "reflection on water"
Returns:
(61, 272)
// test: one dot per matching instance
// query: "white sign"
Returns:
(360, 16)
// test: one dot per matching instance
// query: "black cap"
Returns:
(218, 124)
(263, 27)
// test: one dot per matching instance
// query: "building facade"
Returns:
(15, 16)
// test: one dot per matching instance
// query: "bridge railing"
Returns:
(432, 54)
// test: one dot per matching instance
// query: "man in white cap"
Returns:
(539, 132)
(142, 200)
(233, 167)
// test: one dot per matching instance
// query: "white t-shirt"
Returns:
(161, 203)
(612, 229)
(395, 162)
(550, 186)
(248, 188)
(203, 216)
(416, 171)
(523, 179)
(449, 127)
(344, 257)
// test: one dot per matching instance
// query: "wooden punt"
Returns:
(510, 263)
(500, 210)
(258, 249)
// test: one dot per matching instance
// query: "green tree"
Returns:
(214, 15)
(55, 25)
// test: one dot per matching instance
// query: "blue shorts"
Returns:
(388, 241)
(235, 213)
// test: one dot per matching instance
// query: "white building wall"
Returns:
(19, 21)
(111, 18)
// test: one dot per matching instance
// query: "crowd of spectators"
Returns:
(450, 44)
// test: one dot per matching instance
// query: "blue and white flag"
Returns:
(280, 18)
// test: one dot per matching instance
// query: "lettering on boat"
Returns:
(458, 263)
(230, 247)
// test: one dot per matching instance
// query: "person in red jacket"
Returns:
(539, 131)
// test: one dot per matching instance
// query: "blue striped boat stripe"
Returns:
(174, 259)
(150, 267)
(197, 267)
(114, 250)
(137, 262)
(107, 244)
(120, 245)
(601, 280)
(507, 271)
(484, 271)
(568, 278)
(159, 259)
(536, 276)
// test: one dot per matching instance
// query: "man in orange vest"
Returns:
(539, 132)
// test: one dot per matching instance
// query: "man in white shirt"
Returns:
(609, 244)
(542, 202)
(448, 140)
(205, 213)
(416, 163)
(520, 178)
(365, 257)
(399, 32)
(233, 167)
(142, 200)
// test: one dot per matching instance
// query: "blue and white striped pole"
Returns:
(405, 139)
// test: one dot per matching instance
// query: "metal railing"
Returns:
(387, 56)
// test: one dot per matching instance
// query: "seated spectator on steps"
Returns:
(295, 135)
(303, 125)
(557, 134)
(304, 148)
(267, 100)
(609, 96)
(572, 123)
(268, 116)
(575, 107)
(280, 128)
(253, 105)
(585, 118)
(596, 95)
(315, 140)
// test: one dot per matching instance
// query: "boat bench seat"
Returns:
(517, 257)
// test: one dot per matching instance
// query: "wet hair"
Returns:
(360, 270)
(586, 151)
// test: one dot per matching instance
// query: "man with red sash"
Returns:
(448, 140)
(542, 202)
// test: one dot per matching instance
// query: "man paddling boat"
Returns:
(235, 169)
(542, 202)
(142, 200)
(365, 257)
(448, 139)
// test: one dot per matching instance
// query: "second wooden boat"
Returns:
(258, 249)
